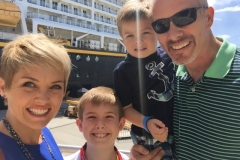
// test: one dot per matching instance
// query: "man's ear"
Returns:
(209, 16)
(2, 87)
(121, 123)
(79, 124)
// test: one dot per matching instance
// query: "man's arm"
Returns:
(138, 152)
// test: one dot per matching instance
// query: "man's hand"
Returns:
(157, 129)
(138, 152)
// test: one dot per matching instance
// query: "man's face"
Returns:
(139, 37)
(183, 44)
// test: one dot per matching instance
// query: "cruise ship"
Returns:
(86, 27)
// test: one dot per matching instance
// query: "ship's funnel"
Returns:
(9, 14)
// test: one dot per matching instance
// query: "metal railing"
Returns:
(84, 2)
(105, 9)
(8, 36)
(60, 8)
(70, 22)
(115, 2)
(105, 20)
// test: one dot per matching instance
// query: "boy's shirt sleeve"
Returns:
(122, 85)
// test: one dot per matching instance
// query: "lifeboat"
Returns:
(10, 14)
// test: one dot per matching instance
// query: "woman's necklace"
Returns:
(21, 144)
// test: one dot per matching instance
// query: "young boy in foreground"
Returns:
(144, 80)
(100, 119)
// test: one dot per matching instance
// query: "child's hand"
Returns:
(157, 129)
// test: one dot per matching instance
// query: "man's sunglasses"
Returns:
(180, 19)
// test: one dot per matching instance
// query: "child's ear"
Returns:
(121, 123)
(79, 124)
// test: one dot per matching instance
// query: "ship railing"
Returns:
(8, 36)
(96, 18)
(60, 8)
(82, 24)
(105, 9)
(105, 20)
(120, 3)
(44, 4)
(32, 1)
(66, 9)
(49, 17)
(40, 3)
(115, 2)
(84, 2)
(70, 149)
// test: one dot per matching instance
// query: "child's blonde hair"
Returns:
(97, 96)
(132, 10)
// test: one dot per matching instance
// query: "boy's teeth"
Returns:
(100, 135)
(38, 111)
(180, 46)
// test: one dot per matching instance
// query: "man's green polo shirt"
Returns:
(207, 113)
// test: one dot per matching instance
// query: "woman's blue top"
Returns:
(12, 150)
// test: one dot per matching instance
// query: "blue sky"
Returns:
(227, 19)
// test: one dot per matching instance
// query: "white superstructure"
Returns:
(89, 24)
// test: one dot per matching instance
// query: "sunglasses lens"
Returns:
(161, 26)
(180, 19)
(185, 17)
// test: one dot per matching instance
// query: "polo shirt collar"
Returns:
(221, 64)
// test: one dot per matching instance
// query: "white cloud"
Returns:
(217, 19)
(225, 36)
(229, 9)
(220, 2)
(211, 2)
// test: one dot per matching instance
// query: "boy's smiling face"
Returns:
(139, 37)
(100, 124)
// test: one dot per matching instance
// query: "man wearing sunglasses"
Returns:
(207, 82)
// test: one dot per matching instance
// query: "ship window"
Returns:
(88, 59)
(54, 5)
(75, 11)
(78, 75)
(42, 3)
(62, 7)
(97, 59)
(88, 74)
(65, 8)
(78, 57)
(96, 74)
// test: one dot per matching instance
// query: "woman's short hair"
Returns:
(33, 50)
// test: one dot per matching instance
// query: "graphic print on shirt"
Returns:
(161, 71)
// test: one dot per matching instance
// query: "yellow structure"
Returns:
(9, 14)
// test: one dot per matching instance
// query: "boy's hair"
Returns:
(132, 10)
(33, 50)
(97, 96)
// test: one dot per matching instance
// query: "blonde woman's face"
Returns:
(35, 96)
